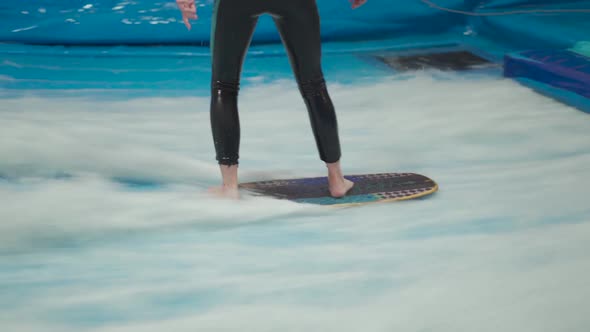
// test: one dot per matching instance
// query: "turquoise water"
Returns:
(105, 224)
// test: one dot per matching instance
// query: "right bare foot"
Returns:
(339, 187)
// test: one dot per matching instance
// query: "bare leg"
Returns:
(338, 185)
(229, 188)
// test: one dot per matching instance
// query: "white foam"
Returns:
(500, 247)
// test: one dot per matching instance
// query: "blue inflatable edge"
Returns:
(570, 98)
(520, 68)
(408, 43)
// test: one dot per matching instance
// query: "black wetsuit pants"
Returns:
(232, 28)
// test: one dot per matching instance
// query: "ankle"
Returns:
(230, 185)
(334, 169)
(229, 176)
(335, 174)
(334, 177)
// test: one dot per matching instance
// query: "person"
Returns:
(233, 23)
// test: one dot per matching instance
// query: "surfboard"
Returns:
(368, 188)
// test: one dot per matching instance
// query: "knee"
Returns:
(312, 87)
(224, 87)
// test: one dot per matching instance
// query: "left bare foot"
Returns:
(225, 192)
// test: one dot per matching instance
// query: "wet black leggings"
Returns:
(298, 23)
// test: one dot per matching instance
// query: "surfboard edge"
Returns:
(254, 188)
